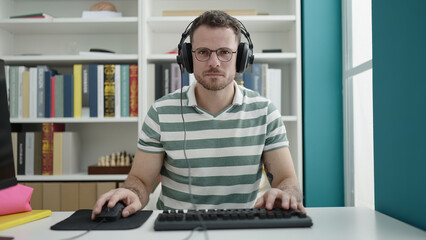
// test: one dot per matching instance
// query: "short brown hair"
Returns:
(216, 18)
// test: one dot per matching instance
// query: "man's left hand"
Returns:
(278, 198)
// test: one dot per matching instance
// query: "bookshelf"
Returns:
(144, 36)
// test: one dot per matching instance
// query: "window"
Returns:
(358, 103)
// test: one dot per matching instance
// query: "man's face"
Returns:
(214, 74)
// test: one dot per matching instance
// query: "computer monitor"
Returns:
(7, 167)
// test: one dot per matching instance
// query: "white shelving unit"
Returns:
(144, 36)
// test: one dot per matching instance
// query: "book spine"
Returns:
(13, 91)
(109, 90)
(52, 96)
(21, 70)
(101, 91)
(175, 77)
(15, 151)
(29, 153)
(26, 94)
(47, 93)
(125, 90)
(57, 153)
(77, 69)
(21, 153)
(40, 90)
(133, 90)
(47, 145)
(33, 92)
(85, 94)
(117, 98)
(47, 149)
(59, 96)
(159, 86)
(37, 152)
(6, 72)
(93, 90)
(68, 95)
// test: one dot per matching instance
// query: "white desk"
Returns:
(329, 223)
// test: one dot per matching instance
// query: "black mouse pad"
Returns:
(80, 220)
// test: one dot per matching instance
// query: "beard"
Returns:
(213, 84)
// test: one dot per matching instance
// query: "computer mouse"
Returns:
(110, 214)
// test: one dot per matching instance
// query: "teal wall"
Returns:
(399, 102)
(322, 103)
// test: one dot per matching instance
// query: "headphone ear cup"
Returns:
(242, 57)
(186, 56)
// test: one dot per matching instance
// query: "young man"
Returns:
(224, 132)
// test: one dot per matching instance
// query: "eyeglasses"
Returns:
(223, 54)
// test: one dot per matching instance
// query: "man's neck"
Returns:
(214, 101)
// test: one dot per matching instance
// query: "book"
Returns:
(41, 90)
(26, 94)
(253, 80)
(13, 91)
(100, 91)
(59, 96)
(33, 15)
(109, 90)
(33, 93)
(47, 145)
(77, 70)
(12, 220)
(15, 150)
(37, 153)
(57, 153)
(48, 93)
(125, 92)
(21, 153)
(133, 90)
(93, 90)
(21, 70)
(85, 92)
(70, 152)
(117, 97)
(68, 95)
(175, 77)
(249, 12)
(52, 96)
(29, 153)
(274, 87)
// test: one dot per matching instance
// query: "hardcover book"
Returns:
(125, 91)
(85, 104)
(47, 145)
(109, 90)
(133, 86)
(68, 95)
(77, 69)
(93, 89)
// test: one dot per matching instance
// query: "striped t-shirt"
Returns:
(224, 151)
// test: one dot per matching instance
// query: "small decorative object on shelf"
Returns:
(115, 163)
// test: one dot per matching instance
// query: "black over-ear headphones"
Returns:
(244, 53)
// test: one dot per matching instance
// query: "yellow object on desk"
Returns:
(11, 220)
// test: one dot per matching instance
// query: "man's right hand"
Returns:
(129, 198)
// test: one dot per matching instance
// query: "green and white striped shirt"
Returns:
(224, 151)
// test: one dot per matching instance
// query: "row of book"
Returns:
(53, 151)
(259, 77)
(93, 90)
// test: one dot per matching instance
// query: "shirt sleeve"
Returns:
(149, 139)
(276, 135)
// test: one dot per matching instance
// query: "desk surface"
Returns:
(329, 223)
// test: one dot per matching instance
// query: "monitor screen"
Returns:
(7, 168)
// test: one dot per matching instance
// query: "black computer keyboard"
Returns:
(231, 219)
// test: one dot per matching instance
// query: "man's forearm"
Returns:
(135, 185)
